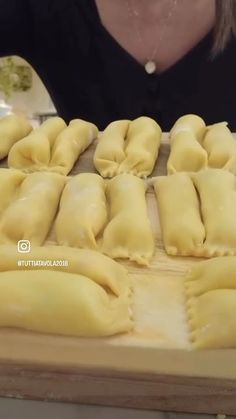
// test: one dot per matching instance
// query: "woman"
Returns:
(103, 60)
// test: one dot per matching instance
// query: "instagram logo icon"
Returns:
(23, 246)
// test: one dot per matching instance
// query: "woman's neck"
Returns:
(141, 26)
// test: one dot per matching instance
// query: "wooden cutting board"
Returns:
(154, 367)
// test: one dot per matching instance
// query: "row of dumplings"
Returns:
(89, 296)
(124, 147)
(92, 296)
(196, 212)
(195, 146)
(107, 216)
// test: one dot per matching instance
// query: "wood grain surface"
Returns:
(154, 367)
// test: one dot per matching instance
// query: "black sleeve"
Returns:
(15, 27)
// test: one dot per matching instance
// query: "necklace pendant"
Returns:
(150, 67)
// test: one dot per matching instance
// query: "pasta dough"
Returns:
(141, 147)
(217, 273)
(221, 147)
(33, 152)
(110, 149)
(182, 228)
(60, 303)
(10, 181)
(83, 211)
(96, 266)
(30, 215)
(187, 155)
(211, 303)
(189, 123)
(12, 129)
(70, 143)
(217, 191)
(128, 233)
(52, 127)
(212, 319)
(128, 147)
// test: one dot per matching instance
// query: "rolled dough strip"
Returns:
(141, 147)
(189, 123)
(30, 215)
(70, 143)
(83, 211)
(212, 319)
(96, 266)
(110, 149)
(60, 303)
(128, 233)
(12, 129)
(179, 211)
(217, 191)
(10, 182)
(187, 155)
(217, 273)
(220, 146)
(33, 153)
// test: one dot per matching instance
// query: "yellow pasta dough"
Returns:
(70, 143)
(128, 233)
(217, 191)
(94, 265)
(187, 154)
(211, 303)
(189, 123)
(141, 147)
(220, 146)
(30, 154)
(182, 228)
(217, 273)
(33, 152)
(30, 215)
(110, 149)
(10, 181)
(52, 127)
(83, 211)
(212, 319)
(12, 129)
(60, 303)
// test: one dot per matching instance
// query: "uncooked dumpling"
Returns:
(179, 212)
(189, 123)
(10, 181)
(110, 149)
(221, 147)
(61, 303)
(211, 303)
(217, 273)
(187, 154)
(142, 145)
(33, 153)
(83, 211)
(70, 143)
(29, 216)
(52, 127)
(30, 154)
(217, 191)
(12, 129)
(212, 319)
(128, 233)
(96, 266)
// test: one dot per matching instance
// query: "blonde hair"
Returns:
(225, 26)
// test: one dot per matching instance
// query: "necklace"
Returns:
(150, 65)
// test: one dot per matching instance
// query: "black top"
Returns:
(90, 76)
